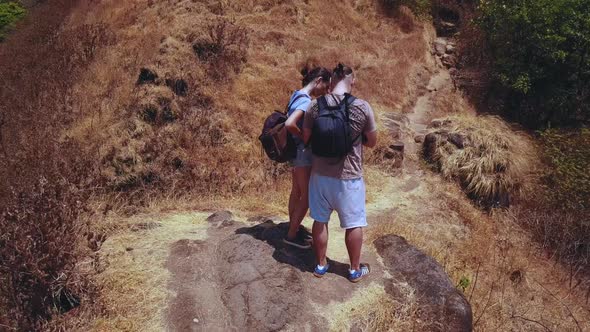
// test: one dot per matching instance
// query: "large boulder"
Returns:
(442, 306)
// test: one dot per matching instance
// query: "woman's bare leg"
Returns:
(299, 200)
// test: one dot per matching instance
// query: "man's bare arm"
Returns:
(370, 139)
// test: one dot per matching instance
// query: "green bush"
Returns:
(568, 153)
(558, 214)
(541, 54)
(10, 12)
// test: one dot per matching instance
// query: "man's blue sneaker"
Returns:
(357, 275)
(319, 271)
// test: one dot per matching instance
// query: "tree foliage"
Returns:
(569, 178)
(541, 52)
(10, 12)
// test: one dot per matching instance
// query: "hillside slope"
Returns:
(171, 109)
(213, 125)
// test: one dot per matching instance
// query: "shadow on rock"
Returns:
(302, 259)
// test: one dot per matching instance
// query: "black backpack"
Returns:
(331, 133)
(276, 140)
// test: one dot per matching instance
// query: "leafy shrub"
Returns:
(568, 153)
(541, 55)
(10, 12)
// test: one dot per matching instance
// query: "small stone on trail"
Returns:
(220, 216)
(457, 140)
(397, 146)
(221, 219)
(195, 320)
(449, 60)
(419, 138)
(440, 46)
(437, 123)
(429, 146)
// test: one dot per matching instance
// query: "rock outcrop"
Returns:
(240, 279)
(442, 306)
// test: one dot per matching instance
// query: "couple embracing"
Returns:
(327, 170)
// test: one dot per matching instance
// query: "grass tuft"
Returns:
(490, 160)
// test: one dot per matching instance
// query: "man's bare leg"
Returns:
(320, 242)
(354, 244)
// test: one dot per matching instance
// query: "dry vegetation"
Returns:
(203, 140)
(45, 178)
(156, 105)
(510, 281)
(490, 160)
(113, 104)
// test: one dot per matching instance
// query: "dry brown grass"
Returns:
(206, 157)
(371, 309)
(494, 163)
(45, 178)
(512, 285)
(230, 162)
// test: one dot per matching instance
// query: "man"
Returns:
(336, 183)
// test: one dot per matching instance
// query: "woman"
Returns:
(315, 83)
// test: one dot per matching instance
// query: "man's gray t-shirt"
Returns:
(362, 120)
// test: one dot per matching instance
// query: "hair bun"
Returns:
(305, 70)
(339, 69)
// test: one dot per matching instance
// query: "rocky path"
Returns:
(242, 277)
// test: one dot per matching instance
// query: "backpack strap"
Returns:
(322, 105)
(348, 100)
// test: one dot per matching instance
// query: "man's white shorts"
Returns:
(347, 197)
